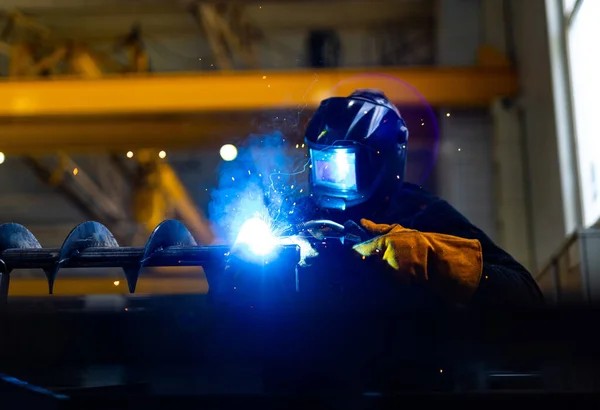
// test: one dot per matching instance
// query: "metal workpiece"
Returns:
(92, 245)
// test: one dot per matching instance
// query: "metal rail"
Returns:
(92, 245)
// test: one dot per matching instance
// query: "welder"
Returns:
(357, 148)
(376, 313)
(421, 259)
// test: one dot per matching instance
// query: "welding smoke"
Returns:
(265, 180)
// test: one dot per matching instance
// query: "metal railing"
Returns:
(573, 273)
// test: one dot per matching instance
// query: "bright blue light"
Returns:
(257, 236)
(334, 169)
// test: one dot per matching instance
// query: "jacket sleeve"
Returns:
(504, 282)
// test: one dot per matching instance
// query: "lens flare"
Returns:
(420, 119)
(257, 236)
(228, 152)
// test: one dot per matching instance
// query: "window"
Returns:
(568, 6)
(583, 34)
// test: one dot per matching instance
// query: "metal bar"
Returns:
(4, 283)
(111, 257)
(44, 258)
(573, 13)
(255, 90)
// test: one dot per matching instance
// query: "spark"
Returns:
(301, 110)
(129, 154)
(162, 154)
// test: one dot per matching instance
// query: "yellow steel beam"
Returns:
(121, 135)
(152, 94)
(194, 132)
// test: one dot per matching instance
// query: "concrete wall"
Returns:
(465, 163)
(511, 194)
(521, 157)
(539, 128)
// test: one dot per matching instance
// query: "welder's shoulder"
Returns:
(416, 191)
(432, 213)
(411, 202)
(416, 197)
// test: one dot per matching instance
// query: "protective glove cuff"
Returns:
(456, 266)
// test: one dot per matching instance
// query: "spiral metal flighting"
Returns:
(91, 244)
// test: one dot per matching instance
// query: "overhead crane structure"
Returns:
(94, 111)
(196, 111)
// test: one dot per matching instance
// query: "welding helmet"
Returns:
(357, 148)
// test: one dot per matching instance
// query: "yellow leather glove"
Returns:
(452, 266)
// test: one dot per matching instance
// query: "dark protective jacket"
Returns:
(504, 282)
(380, 335)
